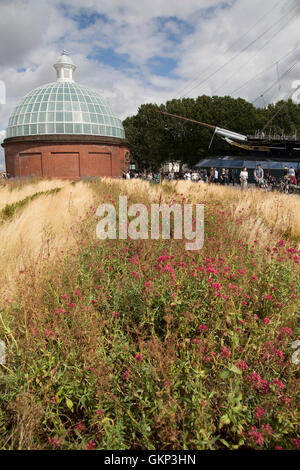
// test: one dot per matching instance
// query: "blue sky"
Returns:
(135, 51)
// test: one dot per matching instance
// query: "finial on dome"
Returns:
(65, 68)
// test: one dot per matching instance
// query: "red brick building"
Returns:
(65, 130)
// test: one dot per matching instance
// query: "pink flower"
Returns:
(241, 365)
(268, 297)
(138, 357)
(126, 375)
(296, 443)
(91, 445)
(286, 331)
(216, 285)
(203, 328)
(260, 412)
(293, 296)
(134, 274)
(225, 352)
(116, 314)
(257, 436)
(266, 321)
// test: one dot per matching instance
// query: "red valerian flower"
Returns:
(203, 328)
(260, 412)
(138, 357)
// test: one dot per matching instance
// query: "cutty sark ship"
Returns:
(263, 146)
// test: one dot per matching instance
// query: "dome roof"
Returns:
(64, 107)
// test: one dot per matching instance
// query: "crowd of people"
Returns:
(225, 176)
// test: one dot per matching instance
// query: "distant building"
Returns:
(65, 130)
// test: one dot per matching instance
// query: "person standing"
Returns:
(222, 177)
(258, 175)
(244, 179)
(226, 177)
(216, 176)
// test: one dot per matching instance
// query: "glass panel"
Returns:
(91, 107)
(36, 106)
(76, 106)
(77, 116)
(50, 128)
(77, 128)
(26, 130)
(42, 128)
(86, 128)
(86, 117)
(68, 106)
(50, 117)
(69, 128)
(95, 129)
(42, 117)
(100, 118)
(33, 129)
(84, 107)
(59, 97)
(34, 117)
(59, 106)
(93, 117)
(27, 118)
(51, 106)
(59, 116)
(69, 117)
(59, 128)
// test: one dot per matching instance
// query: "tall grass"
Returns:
(41, 230)
(13, 191)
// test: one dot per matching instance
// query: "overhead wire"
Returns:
(245, 48)
(179, 92)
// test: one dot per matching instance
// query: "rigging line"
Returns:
(243, 50)
(261, 73)
(279, 84)
(192, 81)
(274, 83)
(262, 94)
(280, 109)
(256, 54)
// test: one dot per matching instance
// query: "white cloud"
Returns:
(208, 34)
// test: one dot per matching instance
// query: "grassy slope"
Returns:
(141, 344)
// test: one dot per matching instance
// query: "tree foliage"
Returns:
(155, 138)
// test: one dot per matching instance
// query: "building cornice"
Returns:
(66, 139)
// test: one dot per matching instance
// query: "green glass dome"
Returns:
(64, 107)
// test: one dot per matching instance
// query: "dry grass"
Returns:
(9, 193)
(43, 228)
(268, 213)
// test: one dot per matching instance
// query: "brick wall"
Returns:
(65, 160)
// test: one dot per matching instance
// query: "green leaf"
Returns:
(235, 369)
(70, 404)
(224, 374)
